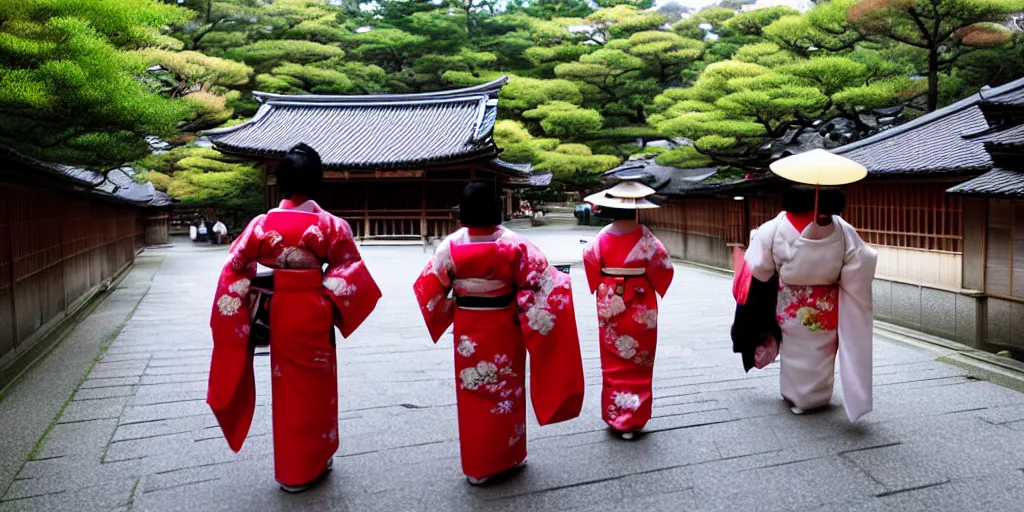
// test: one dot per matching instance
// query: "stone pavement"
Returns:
(138, 435)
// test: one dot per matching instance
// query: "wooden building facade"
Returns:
(394, 164)
(941, 204)
(64, 232)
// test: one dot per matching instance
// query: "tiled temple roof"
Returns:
(374, 132)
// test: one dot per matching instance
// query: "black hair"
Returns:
(618, 213)
(300, 172)
(800, 199)
(478, 206)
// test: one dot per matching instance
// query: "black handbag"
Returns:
(261, 290)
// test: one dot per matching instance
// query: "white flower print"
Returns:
(609, 304)
(483, 373)
(240, 287)
(228, 305)
(243, 331)
(466, 346)
(540, 320)
(626, 345)
(646, 317)
(504, 407)
(277, 371)
(626, 401)
(432, 303)
(644, 249)
(644, 358)
(520, 432)
(339, 286)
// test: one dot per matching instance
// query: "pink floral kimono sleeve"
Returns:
(347, 280)
(548, 321)
(659, 267)
(232, 388)
(433, 291)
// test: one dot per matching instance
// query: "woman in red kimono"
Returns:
(627, 267)
(297, 240)
(507, 301)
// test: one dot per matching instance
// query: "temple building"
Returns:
(394, 164)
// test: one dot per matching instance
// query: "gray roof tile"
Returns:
(372, 132)
(1013, 136)
(932, 143)
(997, 182)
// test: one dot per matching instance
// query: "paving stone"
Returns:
(87, 410)
(80, 438)
(900, 467)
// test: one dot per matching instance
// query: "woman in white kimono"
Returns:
(823, 306)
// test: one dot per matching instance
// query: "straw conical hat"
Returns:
(819, 167)
(628, 195)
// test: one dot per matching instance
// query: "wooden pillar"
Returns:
(975, 213)
(423, 212)
(366, 210)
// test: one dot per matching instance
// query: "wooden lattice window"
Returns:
(906, 215)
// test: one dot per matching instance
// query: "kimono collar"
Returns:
(308, 206)
(800, 221)
(476, 231)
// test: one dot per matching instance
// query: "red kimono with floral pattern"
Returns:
(491, 342)
(296, 241)
(626, 271)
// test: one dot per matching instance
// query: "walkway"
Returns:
(139, 436)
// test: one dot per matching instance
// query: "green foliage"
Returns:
(942, 28)
(67, 87)
(263, 55)
(204, 177)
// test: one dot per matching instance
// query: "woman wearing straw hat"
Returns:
(626, 267)
(822, 303)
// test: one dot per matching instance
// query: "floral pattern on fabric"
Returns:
(228, 305)
(814, 307)
(520, 434)
(646, 317)
(649, 249)
(623, 402)
(626, 345)
(609, 303)
(466, 346)
(339, 286)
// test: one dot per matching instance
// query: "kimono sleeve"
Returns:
(659, 267)
(756, 290)
(856, 324)
(433, 291)
(548, 321)
(347, 280)
(231, 393)
(592, 263)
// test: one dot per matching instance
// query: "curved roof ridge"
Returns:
(466, 93)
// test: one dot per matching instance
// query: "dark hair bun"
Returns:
(300, 172)
(478, 206)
